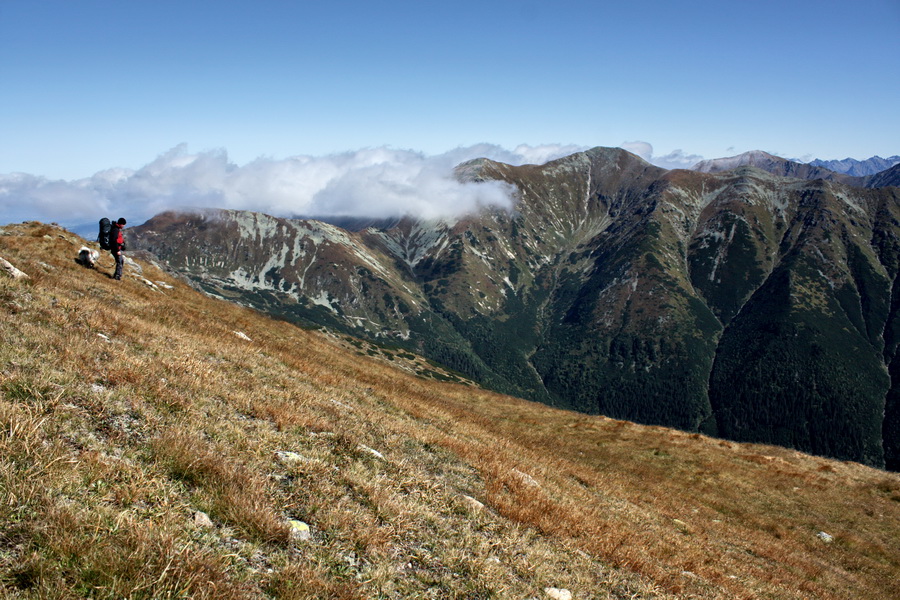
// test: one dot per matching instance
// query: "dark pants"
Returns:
(120, 262)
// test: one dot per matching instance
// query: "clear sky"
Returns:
(88, 85)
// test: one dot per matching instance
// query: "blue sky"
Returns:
(91, 85)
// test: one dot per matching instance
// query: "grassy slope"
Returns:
(108, 446)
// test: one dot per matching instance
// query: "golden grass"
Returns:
(125, 409)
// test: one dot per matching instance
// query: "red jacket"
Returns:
(116, 240)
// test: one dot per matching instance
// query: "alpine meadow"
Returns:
(156, 443)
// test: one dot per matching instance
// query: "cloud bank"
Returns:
(372, 182)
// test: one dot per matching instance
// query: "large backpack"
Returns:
(103, 238)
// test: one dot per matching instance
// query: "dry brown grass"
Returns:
(109, 445)
(233, 493)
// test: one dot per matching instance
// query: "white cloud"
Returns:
(372, 182)
(677, 159)
(642, 149)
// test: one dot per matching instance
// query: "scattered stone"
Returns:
(149, 284)
(825, 537)
(242, 335)
(299, 530)
(11, 270)
(558, 593)
(690, 574)
(341, 404)
(165, 285)
(97, 388)
(286, 457)
(472, 502)
(371, 451)
(134, 266)
(201, 519)
(103, 337)
(682, 527)
(526, 478)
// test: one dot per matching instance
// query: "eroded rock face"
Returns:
(741, 303)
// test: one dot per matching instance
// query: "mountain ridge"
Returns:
(858, 168)
(653, 280)
(873, 173)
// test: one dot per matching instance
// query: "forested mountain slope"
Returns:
(741, 304)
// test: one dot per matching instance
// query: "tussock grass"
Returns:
(128, 408)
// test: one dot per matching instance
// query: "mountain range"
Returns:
(752, 298)
(858, 168)
(872, 173)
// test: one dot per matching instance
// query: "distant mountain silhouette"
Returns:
(858, 168)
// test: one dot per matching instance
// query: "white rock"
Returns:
(526, 478)
(558, 593)
(103, 337)
(129, 262)
(286, 457)
(11, 270)
(201, 519)
(371, 451)
(825, 537)
(472, 502)
(299, 530)
(242, 335)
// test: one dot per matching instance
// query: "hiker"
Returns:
(117, 245)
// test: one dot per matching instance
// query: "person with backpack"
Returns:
(117, 245)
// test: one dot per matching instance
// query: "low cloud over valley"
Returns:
(372, 182)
